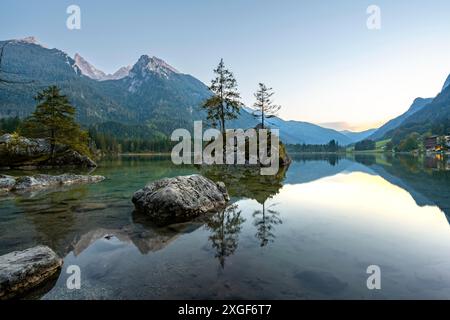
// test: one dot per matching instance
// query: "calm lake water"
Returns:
(310, 232)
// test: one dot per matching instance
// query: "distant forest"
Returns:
(111, 137)
(332, 146)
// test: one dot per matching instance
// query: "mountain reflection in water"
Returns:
(309, 232)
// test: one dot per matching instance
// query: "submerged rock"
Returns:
(21, 271)
(180, 199)
(43, 181)
(24, 153)
(6, 183)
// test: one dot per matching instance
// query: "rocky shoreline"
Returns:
(43, 181)
(166, 201)
(22, 153)
(22, 271)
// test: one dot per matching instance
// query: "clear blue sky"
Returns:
(318, 55)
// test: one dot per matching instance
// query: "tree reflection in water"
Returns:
(225, 227)
(265, 221)
(246, 182)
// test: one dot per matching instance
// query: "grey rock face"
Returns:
(22, 146)
(180, 199)
(73, 158)
(23, 152)
(21, 271)
(6, 183)
(43, 181)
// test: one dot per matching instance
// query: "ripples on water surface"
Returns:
(311, 232)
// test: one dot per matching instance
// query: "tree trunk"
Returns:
(52, 145)
(222, 124)
(263, 119)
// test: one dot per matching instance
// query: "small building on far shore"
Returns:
(431, 143)
(446, 141)
(437, 143)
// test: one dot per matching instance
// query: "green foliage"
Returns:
(165, 103)
(381, 145)
(264, 106)
(389, 146)
(365, 145)
(10, 125)
(225, 102)
(437, 122)
(113, 137)
(332, 146)
(410, 143)
(54, 119)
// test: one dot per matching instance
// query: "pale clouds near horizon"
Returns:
(341, 126)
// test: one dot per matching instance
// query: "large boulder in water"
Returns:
(180, 199)
(17, 152)
(21, 271)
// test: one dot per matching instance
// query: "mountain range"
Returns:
(358, 136)
(154, 95)
(150, 93)
(417, 105)
(92, 72)
(426, 115)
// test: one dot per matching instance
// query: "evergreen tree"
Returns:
(264, 107)
(333, 146)
(9, 125)
(225, 102)
(365, 145)
(389, 146)
(410, 143)
(54, 119)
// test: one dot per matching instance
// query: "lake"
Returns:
(309, 233)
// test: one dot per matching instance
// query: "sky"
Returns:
(323, 62)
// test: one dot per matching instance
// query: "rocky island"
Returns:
(17, 152)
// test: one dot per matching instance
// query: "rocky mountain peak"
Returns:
(147, 64)
(92, 72)
(88, 69)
